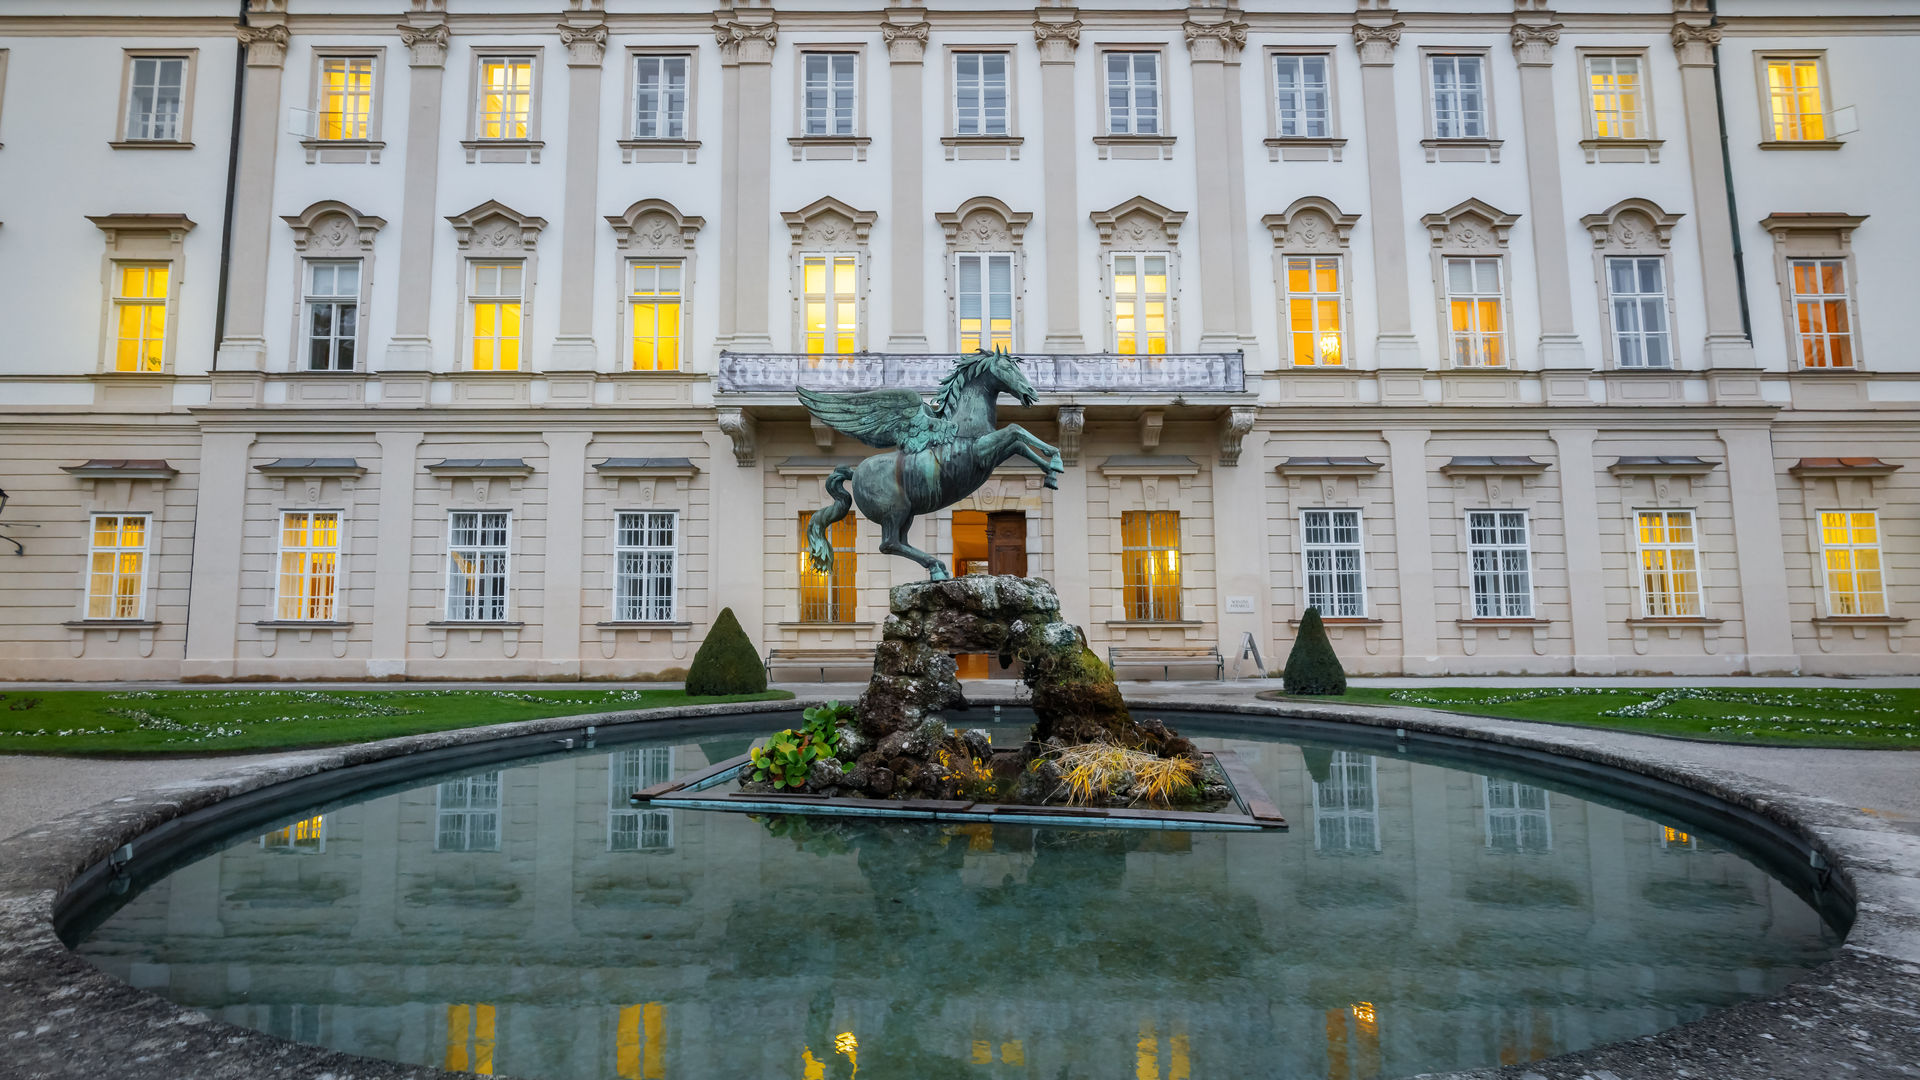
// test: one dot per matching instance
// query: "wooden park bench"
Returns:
(1165, 658)
(861, 656)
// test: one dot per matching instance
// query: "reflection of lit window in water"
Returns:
(1525, 1036)
(300, 1023)
(641, 1043)
(1673, 839)
(629, 771)
(1353, 1042)
(1517, 816)
(469, 814)
(309, 835)
(470, 1039)
(1147, 1056)
(1346, 807)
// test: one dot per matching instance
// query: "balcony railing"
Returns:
(1079, 373)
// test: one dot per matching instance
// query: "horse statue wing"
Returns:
(880, 418)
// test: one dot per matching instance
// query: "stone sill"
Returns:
(1304, 148)
(1499, 622)
(1487, 150)
(1675, 620)
(645, 151)
(830, 147)
(1802, 144)
(616, 624)
(826, 625)
(1140, 147)
(982, 147)
(1155, 624)
(503, 151)
(1622, 151)
(474, 624)
(149, 144)
(302, 624)
(1859, 620)
(343, 151)
(111, 624)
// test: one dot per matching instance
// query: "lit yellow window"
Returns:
(1473, 312)
(506, 98)
(117, 567)
(640, 1046)
(1313, 310)
(1850, 550)
(305, 835)
(470, 1039)
(346, 97)
(829, 597)
(1150, 564)
(309, 564)
(831, 307)
(140, 316)
(1820, 312)
(1140, 305)
(1793, 87)
(1669, 563)
(1614, 83)
(653, 303)
(494, 296)
(984, 300)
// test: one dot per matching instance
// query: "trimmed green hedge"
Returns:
(1313, 667)
(726, 662)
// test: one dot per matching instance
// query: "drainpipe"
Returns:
(1726, 166)
(233, 179)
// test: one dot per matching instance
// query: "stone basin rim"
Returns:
(62, 1017)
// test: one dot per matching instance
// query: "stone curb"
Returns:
(1858, 1015)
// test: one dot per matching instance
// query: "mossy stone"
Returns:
(726, 662)
(1312, 666)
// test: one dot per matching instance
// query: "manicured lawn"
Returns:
(1852, 719)
(211, 721)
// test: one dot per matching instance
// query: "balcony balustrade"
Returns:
(1050, 373)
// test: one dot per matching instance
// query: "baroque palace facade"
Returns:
(459, 338)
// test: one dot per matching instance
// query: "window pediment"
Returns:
(983, 223)
(494, 226)
(1312, 224)
(654, 227)
(1138, 224)
(330, 227)
(1471, 227)
(1632, 225)
(829, 224)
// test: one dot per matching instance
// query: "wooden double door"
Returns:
(988, 543)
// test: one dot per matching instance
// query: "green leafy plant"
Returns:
(789, 755)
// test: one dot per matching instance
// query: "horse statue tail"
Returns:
(818, 548)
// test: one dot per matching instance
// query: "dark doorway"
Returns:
(986, 543)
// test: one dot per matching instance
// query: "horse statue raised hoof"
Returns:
(942, 451)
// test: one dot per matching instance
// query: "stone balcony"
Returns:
(1050, 373)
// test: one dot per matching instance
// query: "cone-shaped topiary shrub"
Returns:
(1312, 667)
(1319, 763)
(726, 662)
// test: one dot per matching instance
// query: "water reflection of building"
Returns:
(590, 941)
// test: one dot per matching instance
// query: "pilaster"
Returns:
(1396, 349)
(214, 590)
(566, 516)
(739, 563)
(1210, 45)
(746, 37)
(586, 45)
(393, 556)
(1586, 570)
(905, 33)
(411, 348)
(1412, 525)
(1764, 610)
(1561, 353)
(243, 346)
(1242, 573)
(1727, 345)
(1057, 33)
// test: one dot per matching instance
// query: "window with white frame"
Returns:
(140, 301)
(495, 293)
(1669, 564)
(653, 310)
(333, 314)
(980, 93)
(660, 97)
(1133, 93)
(1796, 99)
(477, 565)
(1335, 571)
(1501, 564)
(1518, 816)
(1303, 96)
(629, 771)
(156, 98)
(345, 98)
(831, 307)
(984, 282)
(646, 544)
(1150, 565)
(1475, 302)
(1316, 304)
(1820, 313)
(1140, 304)
(1346, 805)
(117, 567)
(1637, 302)
(1850, 555)
(828, 91)
(307, 836)
(1617, 96)
(468, 814)
(1459, 92)
(505, 105)
(309, 565)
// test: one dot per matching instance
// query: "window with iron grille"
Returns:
(1336, 576)
(629, 771)
(309, 565)
(829, 596)
(477, 566)
(646, 545)
(468, 814)
(1517, 817)
(1346, 805)
(1502, 564)
(1150, 564)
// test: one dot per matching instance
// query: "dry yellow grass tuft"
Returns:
(1094, 771)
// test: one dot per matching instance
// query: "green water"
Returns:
(524, 921)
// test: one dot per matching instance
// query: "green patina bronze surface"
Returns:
(942, 451)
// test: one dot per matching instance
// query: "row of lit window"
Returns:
(1333, 559)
